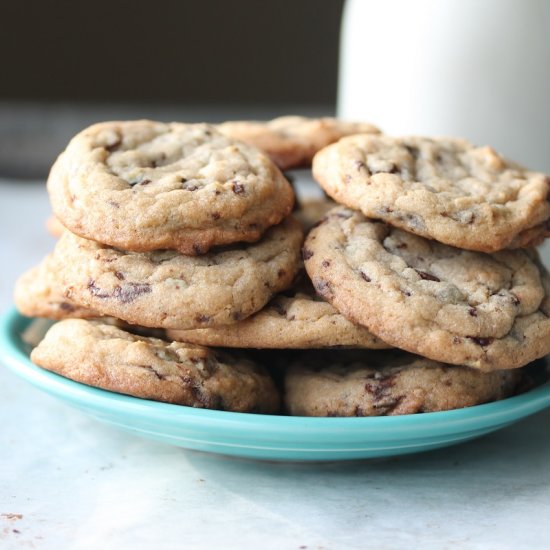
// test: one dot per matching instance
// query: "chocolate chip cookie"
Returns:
(39, 292)
(144, 185)
(443, 189)
(166, 289)
(296, 319)
(488, 311)
(370, 383)
(107, 357)
(291, 141)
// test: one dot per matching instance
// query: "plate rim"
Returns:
(82, 396)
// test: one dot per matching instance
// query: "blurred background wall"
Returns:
(66, 64)
(282, 51)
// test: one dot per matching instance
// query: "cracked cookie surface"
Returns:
(292, 141)
(144, 185)
(488, 311)
(367, 383)
(166, 289)
(104, 356)
(296, 319)
(443, 189)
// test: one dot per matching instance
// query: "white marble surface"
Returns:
(69, 482)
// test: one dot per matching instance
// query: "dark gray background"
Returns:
(207, 51)
(68, 64)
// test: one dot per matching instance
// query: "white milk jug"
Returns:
(478, 69)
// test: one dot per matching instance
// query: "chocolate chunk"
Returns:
(202, 318)
(481, 341)
(125, 294)
(427, 276)
(238, 188)
(365, 276)
(307, 253)
(323, 287)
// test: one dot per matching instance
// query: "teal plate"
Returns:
(270, 437)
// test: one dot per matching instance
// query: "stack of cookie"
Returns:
(186, 228)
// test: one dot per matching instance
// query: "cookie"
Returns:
(488, 311)
(292, 141)
(296, 319)
(443, 189)
(369, 383)
(40, 293)
(166, 289)
(104, 356)
(312, 211)
(144, 185)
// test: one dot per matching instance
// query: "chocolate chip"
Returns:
(306, 253)
(65, 306)
(198, 249)
(481, 341)
(427, 276)
(238, 188)
(379, 389)
(325, 263)
(119, 275)
(125, 294)
(323, 287)
(407, 292)
(472, 311)
(365, 276)
(139, 182)
(216, 215)
(202, 318)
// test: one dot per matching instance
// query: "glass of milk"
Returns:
(478, 69)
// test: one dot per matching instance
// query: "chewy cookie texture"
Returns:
(108, 357)
(486, 311)
(177, 236)
(387, 383)
(145, 185)
(443, 189)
